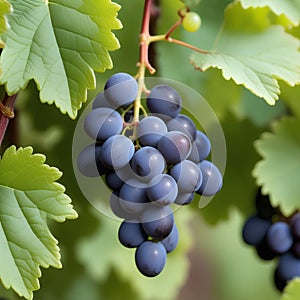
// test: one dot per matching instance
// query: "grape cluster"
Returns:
(275, 236)
(150, 165)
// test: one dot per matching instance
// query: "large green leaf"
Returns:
(290, 8)
(5, 8)
(29, 196)
(279, 170)
(253, 54)
(59, 44)
(292, 290)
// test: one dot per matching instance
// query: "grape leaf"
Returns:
(254, 56)
(292, 290)
(290, 8)
(101, 251)
(191, 3)
(279, 170)
(59, 44)
(28, 196)
(5, 8)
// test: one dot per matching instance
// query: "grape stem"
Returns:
(6, 113)
(145, 40)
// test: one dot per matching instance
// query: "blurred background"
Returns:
(211, 261)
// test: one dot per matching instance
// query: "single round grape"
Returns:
(150, 130)
(113, 180)
(121, 89)
(288, 267)
(200, 147)
(100, 102)
(131, 234)
(133, 196)
(157, 221)
(102, 123)
(164, 100)
(263, 206)
(295, 226)
(184, 198)
(150, 258)
(191, 21)
(264, 252)
(184, 124)
(255, 229)
(175, 146)
(117, 209)
(212, 179)
(162, 189)
(88, 162)
(147, 162)
(187, 175)
(279, 237)
(116, 152)
(171, 241)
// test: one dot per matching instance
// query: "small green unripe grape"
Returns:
(191, 22)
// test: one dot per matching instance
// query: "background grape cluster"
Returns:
(152, 165)
(275, 236)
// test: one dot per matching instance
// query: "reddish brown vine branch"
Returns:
(6, 113)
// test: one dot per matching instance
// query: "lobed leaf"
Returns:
(29, 196)
(5, 8)
(278, 171)
(289, 8)
(253, 56)
(59, 44)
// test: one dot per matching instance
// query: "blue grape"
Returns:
(263, 206)
(164, 100)
(184, 198)
(133, 196)
(288, 267)
(158, 221)
(88, 162)
(117, 209)
(279, 237)
(255, 230)
(187, 175)
(279, 282)
(171, 241)
(147, 162)
(295, 225)
(150, 258)
(175, 146)
(102, 123)
(200, 147)
(116, 152)
(113, 180)
(100, 102)
(121, 89)
(184, 124)
(162, 189)
(212, 179)
(131, 234)
(150, 130)
(263, 250)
